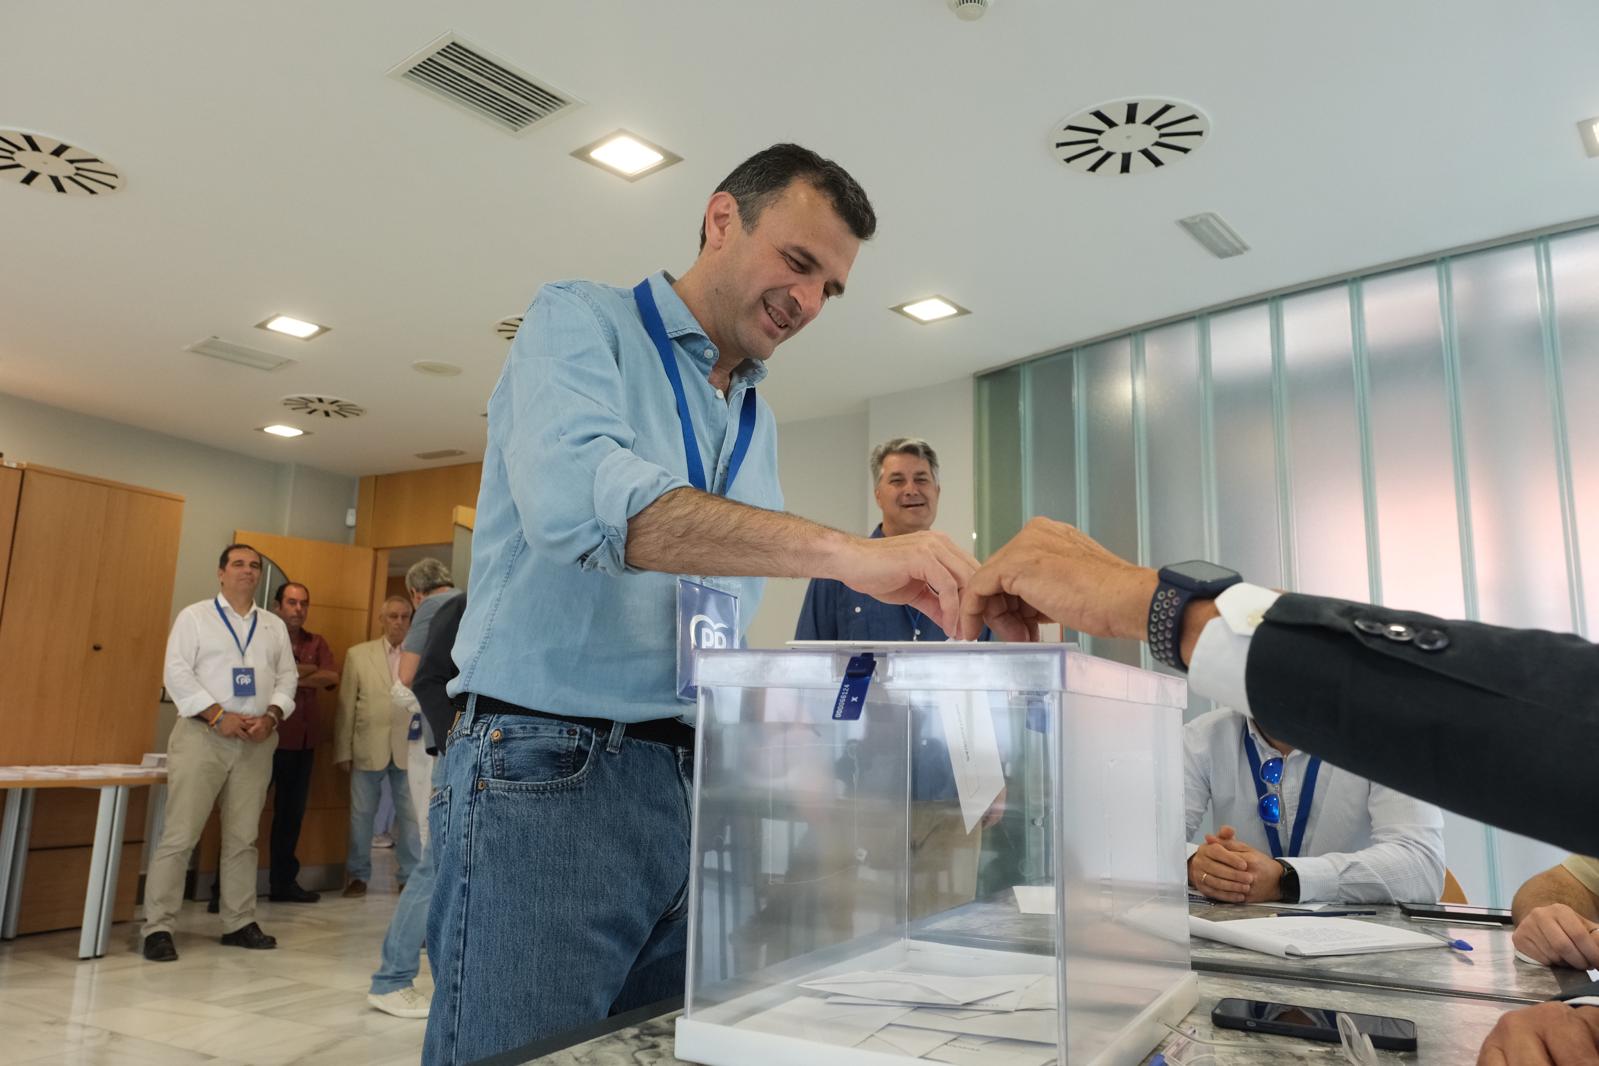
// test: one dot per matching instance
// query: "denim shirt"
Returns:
(583, 435)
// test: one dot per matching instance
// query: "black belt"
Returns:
(661, 730)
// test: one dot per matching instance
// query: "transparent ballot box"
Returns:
(980, 861)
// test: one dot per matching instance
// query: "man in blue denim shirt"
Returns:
(563, 855)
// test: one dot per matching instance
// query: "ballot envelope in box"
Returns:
(957, 853)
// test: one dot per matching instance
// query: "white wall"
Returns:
(222, 491)
(823, 466)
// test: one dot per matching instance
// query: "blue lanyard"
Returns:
(255, 616)
(691, 448)
(1307, 793)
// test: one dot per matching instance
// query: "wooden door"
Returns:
(128, 627)
(10, 491)
(49, 606)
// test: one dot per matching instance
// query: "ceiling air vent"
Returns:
(326, 406)
(1129, 136)
(507, 327)
(253, 358)
(446, 453)
(54, 166)
(485, 85)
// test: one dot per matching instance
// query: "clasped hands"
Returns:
(245, 727)
(1230, 871)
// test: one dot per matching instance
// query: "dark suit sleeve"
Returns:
(435, 669)
(1498, 724)
(817, 619)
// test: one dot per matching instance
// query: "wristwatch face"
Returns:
(1201, 576)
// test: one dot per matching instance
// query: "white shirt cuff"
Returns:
(1218, 666)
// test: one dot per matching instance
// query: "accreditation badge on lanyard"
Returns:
(243, 675)
(706, 617)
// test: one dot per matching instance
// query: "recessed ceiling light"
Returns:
(627, 155)
(298, 328)
(1589, 128)
(1213, 232)
(283, 431)
(930, 309)
(436, 368)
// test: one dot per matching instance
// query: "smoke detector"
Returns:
(326, 406)
(26, 158)
(1129, 136)
(969, 10)
(507, 327)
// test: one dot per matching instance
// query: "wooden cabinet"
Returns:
(84, 618)
(86, 572)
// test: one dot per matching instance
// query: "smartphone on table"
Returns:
(1312, 1023)
(1457, 913)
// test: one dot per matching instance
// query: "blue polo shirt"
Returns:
(583, 435)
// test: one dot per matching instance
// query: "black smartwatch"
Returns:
(1288, 887)
(1180, 583)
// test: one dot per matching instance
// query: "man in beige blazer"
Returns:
(370, 742)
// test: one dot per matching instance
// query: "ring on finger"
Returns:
(1202, 877)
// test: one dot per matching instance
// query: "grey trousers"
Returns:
(202, 765)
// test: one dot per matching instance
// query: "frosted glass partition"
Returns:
(1324, 445)
(1051, 452)
(1424, 437)
(834, 913)
(1510, 453)
(999, 458)
(1246, 445)
(1110, 510)
(1411, 437)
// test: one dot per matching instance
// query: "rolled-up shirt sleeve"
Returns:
(287, 676)
(558, 414)
(183, 652)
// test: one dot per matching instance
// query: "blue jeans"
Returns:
(402, 944)
(562, 881)
(365, 786)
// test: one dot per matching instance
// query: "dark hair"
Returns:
(755, 182)
(286, 586)
(222, 562)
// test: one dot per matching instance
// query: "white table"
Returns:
(113, 783)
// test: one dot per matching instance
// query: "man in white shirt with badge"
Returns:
(230, 671)
(1293, 828)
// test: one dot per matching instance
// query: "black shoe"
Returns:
(214, 906)
(294, 894)
(158, 947)
(249, 936)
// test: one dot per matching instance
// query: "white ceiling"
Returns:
(271, 165)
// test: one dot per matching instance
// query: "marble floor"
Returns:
(304, 1003)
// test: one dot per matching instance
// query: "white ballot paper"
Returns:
(1035, 899)
(923, 989)
(826, 1023)
(973, 752)
(1037, 1026)
(1311, 937)
(981, 1051)
(898, 1040)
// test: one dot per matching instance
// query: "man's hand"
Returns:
(1556, 935)
(1053, 572)
(306, 669)
(1227, 869)
(924, 570)
(1550, 1034)
(260, 727)
(233, 725)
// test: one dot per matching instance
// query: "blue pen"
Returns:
(1458, 945)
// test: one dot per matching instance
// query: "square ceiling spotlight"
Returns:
(283, 431)
(1589, 128)
(627, 155)
(930, 309)
(289, 326)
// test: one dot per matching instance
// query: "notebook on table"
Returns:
(1296, 938)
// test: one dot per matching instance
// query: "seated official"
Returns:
(1294, 828)
(1557, 915)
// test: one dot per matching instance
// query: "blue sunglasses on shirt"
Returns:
(1271, 804)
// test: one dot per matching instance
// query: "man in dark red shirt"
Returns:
(291, 763)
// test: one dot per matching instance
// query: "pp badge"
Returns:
(244, 681)
(706, 618)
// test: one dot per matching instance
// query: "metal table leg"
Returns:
(14, 857)
(104, 865)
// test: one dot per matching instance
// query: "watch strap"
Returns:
(1166, 624)
(1289, 885)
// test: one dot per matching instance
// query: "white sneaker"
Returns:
(404, 1002)
(383, 840)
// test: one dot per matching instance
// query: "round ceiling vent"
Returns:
(54, 166)
(1129, 136)
(507, 327)
(326, 406)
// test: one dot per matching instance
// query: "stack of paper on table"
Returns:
(1311, 937)
(992, 1020)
